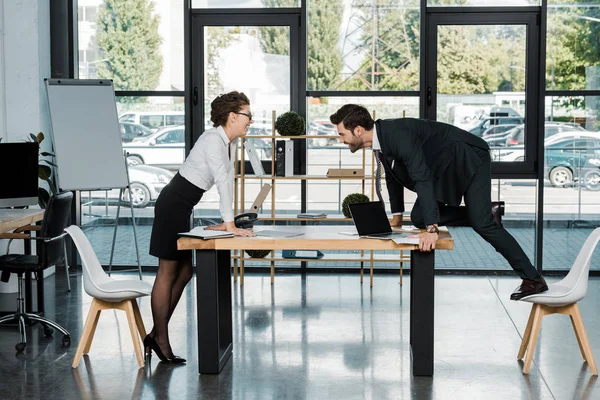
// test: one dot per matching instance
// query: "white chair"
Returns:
(108, 294)
(562, 298)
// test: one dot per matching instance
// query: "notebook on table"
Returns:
(201, 233)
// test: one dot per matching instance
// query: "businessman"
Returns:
(443, 165)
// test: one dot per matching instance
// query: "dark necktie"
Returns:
(378, 175)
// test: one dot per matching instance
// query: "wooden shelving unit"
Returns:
(272, 258)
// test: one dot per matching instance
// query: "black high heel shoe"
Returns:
(150, 344)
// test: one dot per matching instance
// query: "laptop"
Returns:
(372, 222)
(260, 198)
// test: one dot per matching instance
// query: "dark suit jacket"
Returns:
(434, 159)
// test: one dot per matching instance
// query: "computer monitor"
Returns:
(19, 166)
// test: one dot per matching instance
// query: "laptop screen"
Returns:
(370, 218)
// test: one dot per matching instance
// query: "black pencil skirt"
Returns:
(172, 213)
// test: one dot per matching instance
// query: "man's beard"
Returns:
(354, 147)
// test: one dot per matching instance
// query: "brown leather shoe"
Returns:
(497, 211)
(529, 287)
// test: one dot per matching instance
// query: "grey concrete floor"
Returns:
(314, 336)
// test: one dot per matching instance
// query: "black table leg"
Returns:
(421, 311)
(215, 334)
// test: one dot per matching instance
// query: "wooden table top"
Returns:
(11, 219)
(314, 237)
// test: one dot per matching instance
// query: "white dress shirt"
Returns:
(376, 146)
(211, 163)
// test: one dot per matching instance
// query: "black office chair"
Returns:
(51, 239)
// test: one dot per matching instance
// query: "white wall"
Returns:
(24, 63)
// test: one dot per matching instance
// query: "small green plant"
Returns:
(257, 253)
(44, 171)
(290, 124)
(353, 198)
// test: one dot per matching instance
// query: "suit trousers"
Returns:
(477, 213)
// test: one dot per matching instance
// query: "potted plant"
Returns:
(353, 198)
(257, 253)
(290, 124)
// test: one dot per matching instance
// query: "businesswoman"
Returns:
(209, 163)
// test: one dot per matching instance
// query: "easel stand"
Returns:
(112, 249)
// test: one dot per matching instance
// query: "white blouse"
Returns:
(211, 163)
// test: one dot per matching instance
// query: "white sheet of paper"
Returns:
(406, 240)
(277, 234)
(200, 232)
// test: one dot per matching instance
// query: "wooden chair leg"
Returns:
(272, 272)
(134, 331)
(580, 332)
(88, 344)
(526, 335)
(535, 330)
(139, 322)
(87, 329)
(581, 349)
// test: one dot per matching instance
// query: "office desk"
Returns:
(11, 219)
(213, 283)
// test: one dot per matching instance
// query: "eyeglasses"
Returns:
(249, 115)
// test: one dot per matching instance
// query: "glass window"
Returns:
(175, 119)
(127, 118)
(143, 51)
(152, 121)
(572, 180)
(573, 48)
(245, 3)
(482, 3)
(360, 45)
(254, 60)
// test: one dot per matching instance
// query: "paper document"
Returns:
(200, 232)
(349, 233)
(406, 240)
(277, 234)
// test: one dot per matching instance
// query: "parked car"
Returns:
(322, 128)
(487, 122)
(517, 153)
(131, 131)
(499, 139)
(497, 129)
(517, 136)
(154, 120)
(567, 160)
(591, 179)
(164, 148)
(146, 184)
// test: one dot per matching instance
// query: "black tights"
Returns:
(171, 278)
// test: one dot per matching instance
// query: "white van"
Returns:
(154, 119)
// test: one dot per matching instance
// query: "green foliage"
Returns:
(353, 198)
(257, 253)
(128, 39)
(44, 171)
(573, 46)
(324, 59)
(290, 124)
